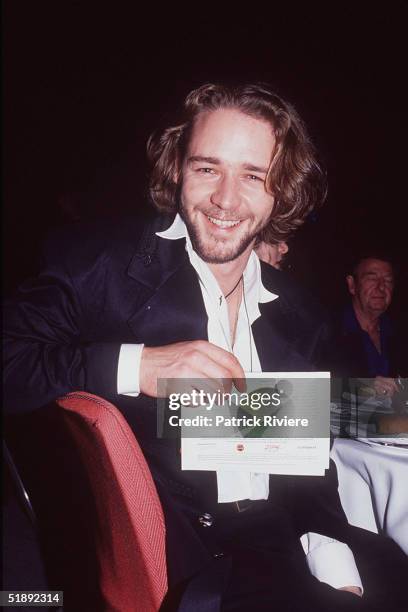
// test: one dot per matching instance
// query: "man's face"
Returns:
(224, 202)
(372, 286)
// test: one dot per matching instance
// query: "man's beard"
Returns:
(226, 252)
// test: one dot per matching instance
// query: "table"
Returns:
(373, 486)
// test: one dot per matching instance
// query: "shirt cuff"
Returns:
(331, 561)
(128, 380)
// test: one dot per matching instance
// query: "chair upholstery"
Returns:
(129, 522)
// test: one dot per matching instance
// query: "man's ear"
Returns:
(283, 248)
(351, 284)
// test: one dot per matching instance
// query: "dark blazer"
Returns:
(99, 288)
(104, 286)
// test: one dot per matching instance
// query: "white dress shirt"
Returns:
(330, 561)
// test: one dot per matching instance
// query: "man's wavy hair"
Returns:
(294, 178)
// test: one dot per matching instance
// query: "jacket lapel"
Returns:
(170, 306)
(275, 340)
(279, 331)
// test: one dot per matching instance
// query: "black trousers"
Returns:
(267, 568)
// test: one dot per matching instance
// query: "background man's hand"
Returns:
(385, 387)
(189, 360)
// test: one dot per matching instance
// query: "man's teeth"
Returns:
(223, 223)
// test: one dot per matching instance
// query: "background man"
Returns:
(367, 345)
(193, 301)
(272, 253)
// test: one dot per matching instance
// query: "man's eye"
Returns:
(253, 177)
(205, 170)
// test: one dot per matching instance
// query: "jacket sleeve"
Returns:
(316, 504)
(48, 351)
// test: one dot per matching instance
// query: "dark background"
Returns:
(86, 82)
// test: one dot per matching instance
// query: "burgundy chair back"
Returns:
(129, 522)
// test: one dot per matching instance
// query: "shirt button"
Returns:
(205, 520)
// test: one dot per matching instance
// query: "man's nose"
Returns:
(226, 194)
(381, 285)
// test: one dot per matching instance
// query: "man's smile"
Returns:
(223, 223)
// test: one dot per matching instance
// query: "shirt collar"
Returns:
(176, 230)
(351, 323)
(252, 273)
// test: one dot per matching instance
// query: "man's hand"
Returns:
(189, 360)
(385, 387)
(352, 589)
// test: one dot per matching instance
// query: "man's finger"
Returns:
(229, 361)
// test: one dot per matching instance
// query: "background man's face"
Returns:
(272, 253)
(224, 202)
(372, 286)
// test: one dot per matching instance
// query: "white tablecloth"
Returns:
(373, 486)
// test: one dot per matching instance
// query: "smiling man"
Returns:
(224, 202)
(187, 297)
